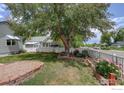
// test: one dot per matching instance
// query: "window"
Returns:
(11, 42)
(8, 42)
(29, 45)
(44, 45)
(35, 46)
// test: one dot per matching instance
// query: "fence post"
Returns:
(122, 67)
(113, 55)
(98, 54)
(116, 59)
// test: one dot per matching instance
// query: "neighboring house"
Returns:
(9, 43)
(118, 44)
(39, 42)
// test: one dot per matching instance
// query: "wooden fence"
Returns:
(55, 49)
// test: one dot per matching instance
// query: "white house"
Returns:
(36, 43)
(9, 43)
(118, 44)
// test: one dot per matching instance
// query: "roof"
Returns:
(11, 37)
(4, 22)
(5, 29)
(45, 38)
(38, 38)
(31, 43)
(35, 40)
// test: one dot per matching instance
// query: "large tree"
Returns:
(67, 22)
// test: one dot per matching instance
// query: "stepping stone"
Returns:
(15, 73)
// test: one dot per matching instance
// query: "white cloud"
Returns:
(118, 19)
(1, 16)
(2, 10)
(95, 39)
(119, 23)
(2, 7)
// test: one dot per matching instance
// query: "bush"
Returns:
(85, 53)
(105, 48)
(76, 52)
(22, 51)
(62, 53)
(105, 68)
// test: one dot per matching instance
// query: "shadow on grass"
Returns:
(45, 57)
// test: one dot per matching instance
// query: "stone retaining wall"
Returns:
(16, 73)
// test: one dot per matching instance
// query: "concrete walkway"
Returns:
(14, 73)
(111, 52)
(4, 55)
(116, 52)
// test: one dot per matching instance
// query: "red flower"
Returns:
(108, 60)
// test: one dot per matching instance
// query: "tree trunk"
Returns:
(63, 38)
(66, 44)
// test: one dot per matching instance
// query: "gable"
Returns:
(5, 30)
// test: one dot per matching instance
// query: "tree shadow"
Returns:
(45, 57)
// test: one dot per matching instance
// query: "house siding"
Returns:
(118, 43)
(4, 48)
(4, 30)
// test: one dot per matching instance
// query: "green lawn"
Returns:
(55, 71)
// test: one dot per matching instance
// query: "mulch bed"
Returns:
(71, 58)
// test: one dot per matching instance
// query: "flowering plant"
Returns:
(104, 68)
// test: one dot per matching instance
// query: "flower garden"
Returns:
(104, 70)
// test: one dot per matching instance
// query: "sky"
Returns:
(4, 14)
(116, 9)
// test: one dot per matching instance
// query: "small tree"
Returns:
(119, 35)
(106, 38)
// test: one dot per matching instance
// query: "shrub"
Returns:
(85, 53)
(62, 53)
(76, 53)
(105, 68)
(105, 48)
(22, 51)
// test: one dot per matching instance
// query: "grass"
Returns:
(55, 72)
(45, 57)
